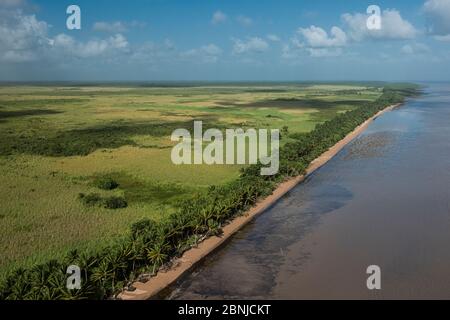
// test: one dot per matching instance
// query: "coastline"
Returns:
(192, 257)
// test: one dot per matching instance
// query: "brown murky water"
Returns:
(384, 200)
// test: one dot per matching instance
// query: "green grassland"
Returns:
(55, 141)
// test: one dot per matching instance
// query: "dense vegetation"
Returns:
(84, 141)
(150, 245)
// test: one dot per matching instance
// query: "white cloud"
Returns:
(219, 17)
(393, 27)
(316, 37)
(93, 48)
(151, 53)
(207, 54)
(415, 48)
(12, 3)
(211, 49)
(324, 52)
(22, 37)
(296, 51)
(437, 13)
(287, 52)
(112, 27)
(117, 26)
(254, 44)
(244, 21)
(18, 56)
(315, 42)
(118, 42)
(155, 55)
(137, 24)
(169, 45)
(273, 37)
(292, 50)
(443, 38)
(407, 49)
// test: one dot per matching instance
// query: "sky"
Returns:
(229, 40)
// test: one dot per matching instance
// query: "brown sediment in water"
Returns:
(193, 256)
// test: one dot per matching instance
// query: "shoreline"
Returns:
(193, 256)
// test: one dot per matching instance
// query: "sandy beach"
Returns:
(193, 256)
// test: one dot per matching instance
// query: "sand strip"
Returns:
(193, 256)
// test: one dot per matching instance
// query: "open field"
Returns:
(56, 142)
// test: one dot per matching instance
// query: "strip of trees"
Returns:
(150, 245)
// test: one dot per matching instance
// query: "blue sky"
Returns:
(224, 40)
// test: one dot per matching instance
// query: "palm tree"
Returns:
(17, 285)
(117, 262)
(157, 255)
(101, 273)
(87, 263)
(40, 275)
(204, 216)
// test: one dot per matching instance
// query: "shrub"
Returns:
(90, 200)
(115, 203)
(285, 131)
(94, 199)
(105, 183)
